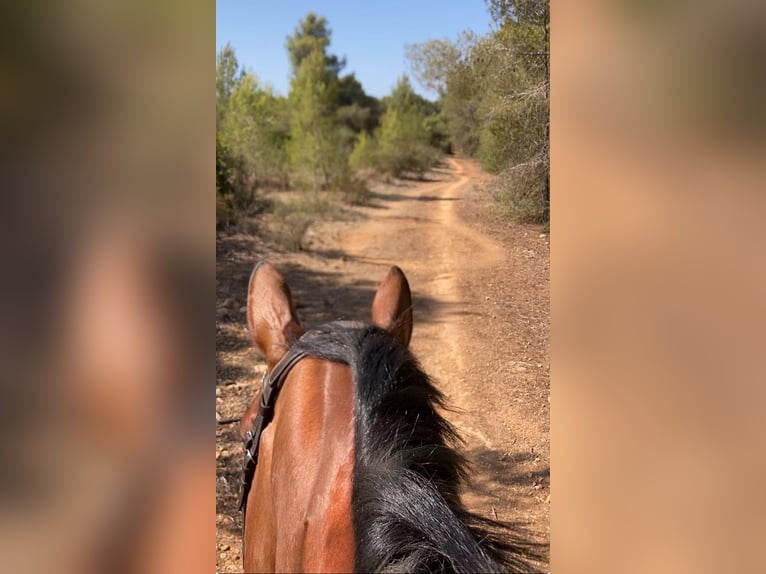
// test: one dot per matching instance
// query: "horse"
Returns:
(353, 468)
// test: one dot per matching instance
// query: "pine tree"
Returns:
(364, 153)
(227, 74)
(314, 154)
(310, 34)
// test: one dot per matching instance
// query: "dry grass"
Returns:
(291, 216)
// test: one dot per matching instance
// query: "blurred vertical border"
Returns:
(658, 307)
(108, 222)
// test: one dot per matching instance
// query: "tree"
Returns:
(494, 96)
(310, 34)
(524, 34)
(445, 66)
(350, 91)
(251, 133)
(314, 152)
(432, 61)
(227, 74)
(535, 12)
(255, 127)
(357, 111)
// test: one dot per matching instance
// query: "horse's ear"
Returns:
(271, 315)
(392, 306)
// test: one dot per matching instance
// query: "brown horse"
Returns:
(356, 469)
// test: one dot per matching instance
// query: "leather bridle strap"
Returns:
(272, 382)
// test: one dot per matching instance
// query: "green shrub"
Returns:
(364, 152)
(224, 188)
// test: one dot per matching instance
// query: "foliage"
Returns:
(290, 225)
(536, 12)
(364, 153)
(403, 143)
(494, 95)
(255, 127)
(251, 132)
(312, 33)
(291, 219)
(224, 190)
(315, 154)
(311, 139)
(438, 132)
(227, 74)
(442, 65)
(357, 110)
(408, 139)
(519, 192)
(403, 138)
(432, 62)
(353, 189)
(327, 112)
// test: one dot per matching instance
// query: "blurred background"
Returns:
(657, 242)
(108, 124)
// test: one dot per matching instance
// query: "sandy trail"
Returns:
(477, 296)
(422, 233)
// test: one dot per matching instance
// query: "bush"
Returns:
(354, 190)
(409, 157)
(293, 218)
(288, 231)
(521, 192)
(364, 152)
(224, 188)
(311, 204)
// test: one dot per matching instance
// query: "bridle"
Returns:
(272, 383)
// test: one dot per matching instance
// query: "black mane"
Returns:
(407, 513)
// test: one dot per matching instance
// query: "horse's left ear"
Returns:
(392, 306)
(271, 314)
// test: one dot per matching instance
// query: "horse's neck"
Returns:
(307, 501)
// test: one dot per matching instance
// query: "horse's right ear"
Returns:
(392, 306)
(271, 315)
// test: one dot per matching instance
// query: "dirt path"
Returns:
(480, 290)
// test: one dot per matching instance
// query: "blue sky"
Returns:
(371, 35)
